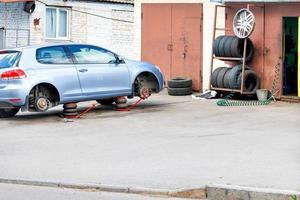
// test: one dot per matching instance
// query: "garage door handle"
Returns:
(170, 47)
(83, 70)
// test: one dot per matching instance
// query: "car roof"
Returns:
(37, 46)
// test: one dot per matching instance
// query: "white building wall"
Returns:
(89, 28)
(16, 23)
(208, 18)
(84, 28)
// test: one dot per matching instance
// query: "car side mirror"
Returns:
(119, 59)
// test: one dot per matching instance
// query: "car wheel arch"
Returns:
(52, 89)
(151, 79)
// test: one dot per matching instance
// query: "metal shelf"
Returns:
(228, 58)
(243, 59)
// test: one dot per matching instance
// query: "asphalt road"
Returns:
(166, 143)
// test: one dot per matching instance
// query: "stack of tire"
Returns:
(230, 77)
(180, 86)
(232, 47)
(70, 110)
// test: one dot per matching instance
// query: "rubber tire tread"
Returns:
(70, 106)
(216, 44)
(220, 78)
(221, 46)
(70, 111)
(180, 91)
(214, 76)
(121, 101)
(227, 46)
(249, 51)
(226, 79)
(180, 82)
(255, 81)
(9, 113)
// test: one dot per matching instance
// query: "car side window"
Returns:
(52, 55)
(86, 54)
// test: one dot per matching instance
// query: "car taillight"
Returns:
(13, 74)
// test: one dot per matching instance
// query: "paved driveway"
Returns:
(166, 143)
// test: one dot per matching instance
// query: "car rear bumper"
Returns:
(12, 96)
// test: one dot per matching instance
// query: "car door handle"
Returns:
(83, 70)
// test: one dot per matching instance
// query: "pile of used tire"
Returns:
(180, 86)
(231, 77)
(232, 47)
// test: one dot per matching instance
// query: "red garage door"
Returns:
(172, 39)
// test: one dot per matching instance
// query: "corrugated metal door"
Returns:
(172, 39)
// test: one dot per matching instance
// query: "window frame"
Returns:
(95, 47)
(57, 23)
(69, 56)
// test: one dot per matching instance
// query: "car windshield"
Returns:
(8, 58)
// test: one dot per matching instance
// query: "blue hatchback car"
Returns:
(36, 78)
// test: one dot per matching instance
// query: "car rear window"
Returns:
(52, 55)
(8, 58)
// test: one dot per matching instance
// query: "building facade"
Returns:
(109, 24)
(276, 41)
(177, 36)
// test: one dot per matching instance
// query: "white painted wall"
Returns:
(208, 18)
(16, 22)
(114, 35)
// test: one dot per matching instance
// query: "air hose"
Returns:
(227, 102)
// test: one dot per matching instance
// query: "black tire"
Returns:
(237, 48)
(226, 79)
(70, 114)
(70, 111)
(70, 106)
(180, 82)
(249, 50)
(121, 101)
(221, 46)
(251, 81)
(220, 77)
(106, 102)
(8, 112)
(214, 76)
(216, 45)
(234, 75)
(180, 91)
(227, 46)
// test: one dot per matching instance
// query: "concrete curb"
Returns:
(197, 193)
(212, 192)
(232, 192)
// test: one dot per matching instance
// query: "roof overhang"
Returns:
(260, 1)
(13, 1)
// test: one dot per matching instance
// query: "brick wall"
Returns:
(16, 24)
(100, 30)
(94, 28)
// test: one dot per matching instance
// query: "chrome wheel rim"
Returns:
(243, 23)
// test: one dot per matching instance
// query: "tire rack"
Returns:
(243, 59)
